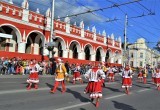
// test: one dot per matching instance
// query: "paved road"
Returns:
(14, 96)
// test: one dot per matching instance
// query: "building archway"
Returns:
(35, 43)
(59, 47)
(74, 49)
(99, 54)
(10, 45)
(88, 50)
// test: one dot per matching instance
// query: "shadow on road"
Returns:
(122, 106)
(82, 109)
(78, 95)
(141, 86)
(113, 89)
(51, 86)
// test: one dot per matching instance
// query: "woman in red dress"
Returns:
(33, 77)
(94, 87)
(127, 79)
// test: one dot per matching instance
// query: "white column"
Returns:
(119, 61)
(21, 47)
(94, 37)
(112, 60)
(103, 58)
(25, 16)
(65, 53)
(67, 28)
(36, 49)
(93, 56)
(81, 55)
(70, 54)
(82, 32)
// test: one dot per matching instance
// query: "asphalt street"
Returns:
(14, 96)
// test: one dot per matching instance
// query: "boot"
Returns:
(74, 82)
(97, 103)
(81, 81)
(127, 91)
(29, 87)
(36, 86)
(52, 91)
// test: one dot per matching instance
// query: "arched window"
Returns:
(87, 53)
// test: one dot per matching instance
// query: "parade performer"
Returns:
(111, 74)
(140, 75)
(94, 87)
(105, 69)
(77, 74)
(144, 75)
(157, 78)
(33, 77)
(127, 79)
(60, 75)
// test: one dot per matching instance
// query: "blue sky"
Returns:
(147, 27)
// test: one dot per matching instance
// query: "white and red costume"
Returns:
(127, 79)
(33, 77)
(77, 74)
(94, 87)
(111, 74)
(140, 76)
(157, 78)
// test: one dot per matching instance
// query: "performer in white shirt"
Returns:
(127, 79)
(157, 78)
(94, 87)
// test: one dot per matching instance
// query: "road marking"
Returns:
(40, 89)
(73, 106)
(112, 97)
(107, 98)
(143, 90)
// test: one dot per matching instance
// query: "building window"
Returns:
(141, 55)
(131, 55)
(141, 63)
(131, 63)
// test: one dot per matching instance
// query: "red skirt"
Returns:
(157, 80)
(126, 82)
(94, 89)
(140, 75)
(33, 78)
(76, 76)
(111, 75)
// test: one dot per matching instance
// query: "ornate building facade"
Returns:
(140, 55)
(31, 31)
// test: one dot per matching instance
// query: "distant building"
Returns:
(139, 55)
(31, 33)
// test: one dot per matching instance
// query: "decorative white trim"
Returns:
(81, 38)
(23, 22)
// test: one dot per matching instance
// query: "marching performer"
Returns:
(140, 75)
(60, 75)
(94, 87)
(157, 78)
(33, 77)
(127, 79)
(144, 75)
(77, 74)
(111, 74)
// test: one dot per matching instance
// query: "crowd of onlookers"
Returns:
(18, 66)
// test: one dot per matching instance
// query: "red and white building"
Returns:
(31, 31)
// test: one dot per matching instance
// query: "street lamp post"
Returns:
(51, 44)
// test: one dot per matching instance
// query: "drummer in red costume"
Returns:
(33, 77)
(127, 79)
(94, 87)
